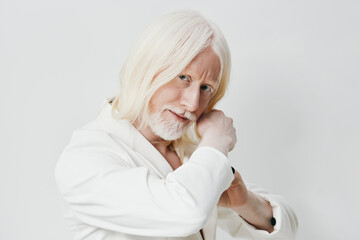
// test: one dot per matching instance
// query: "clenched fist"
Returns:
(217, 130)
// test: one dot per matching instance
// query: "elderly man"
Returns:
(154, 164)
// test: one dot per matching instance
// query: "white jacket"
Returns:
(116, 185)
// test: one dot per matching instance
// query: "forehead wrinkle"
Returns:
(204, 66)
(194, 69)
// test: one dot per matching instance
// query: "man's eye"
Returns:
(206, 88)
(184, 78)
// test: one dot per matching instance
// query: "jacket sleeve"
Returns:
(106, 190)
(286, 220)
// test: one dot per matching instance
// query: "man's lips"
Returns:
(179, 116)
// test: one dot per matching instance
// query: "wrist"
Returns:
(257, 212)
(212, 141)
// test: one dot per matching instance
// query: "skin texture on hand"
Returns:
(217, 130)
(254, 209)
(236, 195)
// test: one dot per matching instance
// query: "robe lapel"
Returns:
(127, 134)
(150, 154)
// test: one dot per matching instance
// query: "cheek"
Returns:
(163, 96)
(154, 102)
(202, 107)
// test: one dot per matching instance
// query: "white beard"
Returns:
(170, 129)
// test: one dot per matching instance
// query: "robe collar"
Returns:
(122, 130)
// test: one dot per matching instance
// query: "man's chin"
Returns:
(168, 130)
(170, 137)
(168, 134)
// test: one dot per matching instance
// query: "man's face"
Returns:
(180, 102)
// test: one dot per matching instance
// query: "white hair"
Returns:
(165, 48)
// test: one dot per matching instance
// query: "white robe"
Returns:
(116, 185)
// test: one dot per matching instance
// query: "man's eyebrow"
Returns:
(193, 74)
(214, 81)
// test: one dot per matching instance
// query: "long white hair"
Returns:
(165, 48)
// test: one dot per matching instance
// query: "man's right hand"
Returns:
(217, 130)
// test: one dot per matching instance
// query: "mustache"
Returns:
(180, 111)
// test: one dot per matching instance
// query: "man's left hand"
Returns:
(236, 195)
(252, 208)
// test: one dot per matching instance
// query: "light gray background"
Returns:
(294, 96)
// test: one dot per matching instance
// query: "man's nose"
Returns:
(190, 98)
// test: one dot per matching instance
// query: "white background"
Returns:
(294, 97)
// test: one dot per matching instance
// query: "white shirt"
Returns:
(116, 185)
